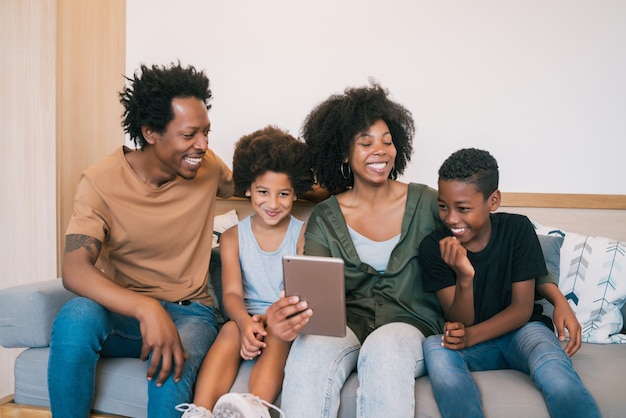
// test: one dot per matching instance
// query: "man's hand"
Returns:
(160, 337)
(453, 336)
(287, 316)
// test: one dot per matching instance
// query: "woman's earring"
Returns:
(343, 170)
(394, 172)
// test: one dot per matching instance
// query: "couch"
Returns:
(27, 313)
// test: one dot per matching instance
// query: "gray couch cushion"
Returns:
(121, 386)
(509, 393)
(602, 368)
(27, 312)
(551, 248)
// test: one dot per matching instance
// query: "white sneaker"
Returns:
(193, 411)
(243, 405)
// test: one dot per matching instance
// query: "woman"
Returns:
(360, 141)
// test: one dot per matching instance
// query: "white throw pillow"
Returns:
(593, 279)
(221, 223)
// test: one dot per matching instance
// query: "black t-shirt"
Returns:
(513, 254)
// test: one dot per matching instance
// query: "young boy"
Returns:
(271, 168)
(483, 266)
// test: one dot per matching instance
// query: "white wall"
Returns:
(542, 85)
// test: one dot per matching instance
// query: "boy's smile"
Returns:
(465, 211)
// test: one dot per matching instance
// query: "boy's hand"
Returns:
(455, 255)
(453, 336)
(564, 318)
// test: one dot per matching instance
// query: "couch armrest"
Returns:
(27, 312)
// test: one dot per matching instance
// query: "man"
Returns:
(147, 215)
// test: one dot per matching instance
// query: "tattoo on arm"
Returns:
(74, 242)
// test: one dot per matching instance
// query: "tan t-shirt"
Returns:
(156, 241)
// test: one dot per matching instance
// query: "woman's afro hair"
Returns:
(330, 129)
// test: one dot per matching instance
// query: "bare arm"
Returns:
(316, 194)
(226, 187)
(158, 331)
(563, 317)
(511, 318)
(457, 301)
(457, 336)
(252, 332)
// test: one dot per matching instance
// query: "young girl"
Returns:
(271, 168)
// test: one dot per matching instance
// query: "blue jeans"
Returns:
(532, 349)
(84, 330)
(388, 363)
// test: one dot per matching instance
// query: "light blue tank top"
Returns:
(262, 271)
(374, 253)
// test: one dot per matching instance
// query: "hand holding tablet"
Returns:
(320, 282)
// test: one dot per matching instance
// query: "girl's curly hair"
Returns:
(330, 129)
(271, 149)
(147, 98)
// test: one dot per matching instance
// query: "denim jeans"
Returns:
(388, 363)
(84, 330)
(532, 349)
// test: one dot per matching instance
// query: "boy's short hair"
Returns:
(147, 98)
(271, 149)
(471, 165)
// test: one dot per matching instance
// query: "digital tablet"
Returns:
(320, 282)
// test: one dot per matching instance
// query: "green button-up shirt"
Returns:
(397, 295)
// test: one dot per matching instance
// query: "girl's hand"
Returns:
(252, 336)
(287, 316)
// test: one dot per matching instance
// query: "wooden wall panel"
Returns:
(61, 65)
(27, 160)
(570, 201)
(91, 65)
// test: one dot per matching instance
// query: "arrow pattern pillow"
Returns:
(593, 279)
